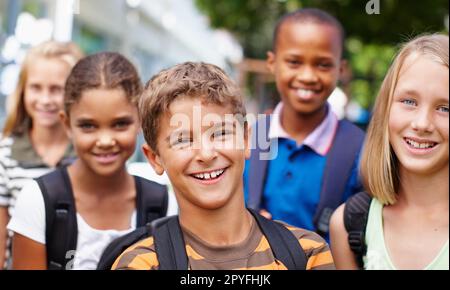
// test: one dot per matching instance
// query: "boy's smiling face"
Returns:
(306, 64)
(202, 148)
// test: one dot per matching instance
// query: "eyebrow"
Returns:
(120, 118)
(187, 132)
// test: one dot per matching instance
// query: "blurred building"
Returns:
(154, 34)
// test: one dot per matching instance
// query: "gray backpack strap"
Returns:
(356, 213)
(61, 229)
(169, 244)
(258, 167)
(151, 200)
(284, 245)
(340, 160)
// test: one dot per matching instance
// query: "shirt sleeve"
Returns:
(316, 249)
(28, 218)
(5, 194)
(140, 256)
(318, 252)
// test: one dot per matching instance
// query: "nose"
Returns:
(206, 152)
(423, 121)
(45, 98)
(307, 74)
(105, 140)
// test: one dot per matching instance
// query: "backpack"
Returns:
(171, 251)
(339, 163)
(356, 213)
(60, 213)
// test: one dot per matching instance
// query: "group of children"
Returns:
(191, 117)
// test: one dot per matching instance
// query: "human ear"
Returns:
(65, 120)
(153, 159)
(270, 62)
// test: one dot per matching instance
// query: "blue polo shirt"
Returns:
(294, 178)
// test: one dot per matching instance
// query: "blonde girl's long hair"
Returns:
(17, 120)
(379, 164)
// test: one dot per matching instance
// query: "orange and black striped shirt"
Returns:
(253, 253)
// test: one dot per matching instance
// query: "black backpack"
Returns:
(60, 213)
(340, 159)
(171, 251)
(356, 213)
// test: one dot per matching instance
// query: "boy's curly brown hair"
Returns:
(196, 80)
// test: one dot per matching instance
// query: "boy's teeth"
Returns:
(305, 93)
(207, 176)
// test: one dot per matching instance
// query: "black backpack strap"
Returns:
(258, 166)
(356, 213)
(169, 244)
(151, 200)
(284, 245)
(61, 228)
(119, 245)
(340, 160)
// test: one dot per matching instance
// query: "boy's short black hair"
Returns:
(313, 15)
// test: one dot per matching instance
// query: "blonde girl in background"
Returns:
(33, 139)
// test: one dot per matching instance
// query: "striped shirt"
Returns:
(253, 253)
(20, 163)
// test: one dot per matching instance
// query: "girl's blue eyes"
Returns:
(443, 109)
(408, 102)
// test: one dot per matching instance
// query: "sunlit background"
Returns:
(233, 34)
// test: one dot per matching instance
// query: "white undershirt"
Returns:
(29, 221)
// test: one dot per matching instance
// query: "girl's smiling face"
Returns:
(44, 90)
(103, 126)
(419, 117)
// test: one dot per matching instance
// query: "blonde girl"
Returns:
(405, 165)
(33, 139)
(101, 117)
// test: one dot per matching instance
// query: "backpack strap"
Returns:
(60, 218)
(340, 160)
(151, 200)
(258, 166)
(356, 213)
(169, 244)
(284, 245)
(119, 245)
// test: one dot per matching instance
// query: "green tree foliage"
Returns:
(252, 21)
(371, 39)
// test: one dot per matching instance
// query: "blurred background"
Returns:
(233, 34)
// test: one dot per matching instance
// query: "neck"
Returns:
(87, 181)
(225, 226)
(48, 136)
(424, 191)
(299, 125)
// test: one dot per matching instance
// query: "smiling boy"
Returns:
(315, 168)
(192, 118)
